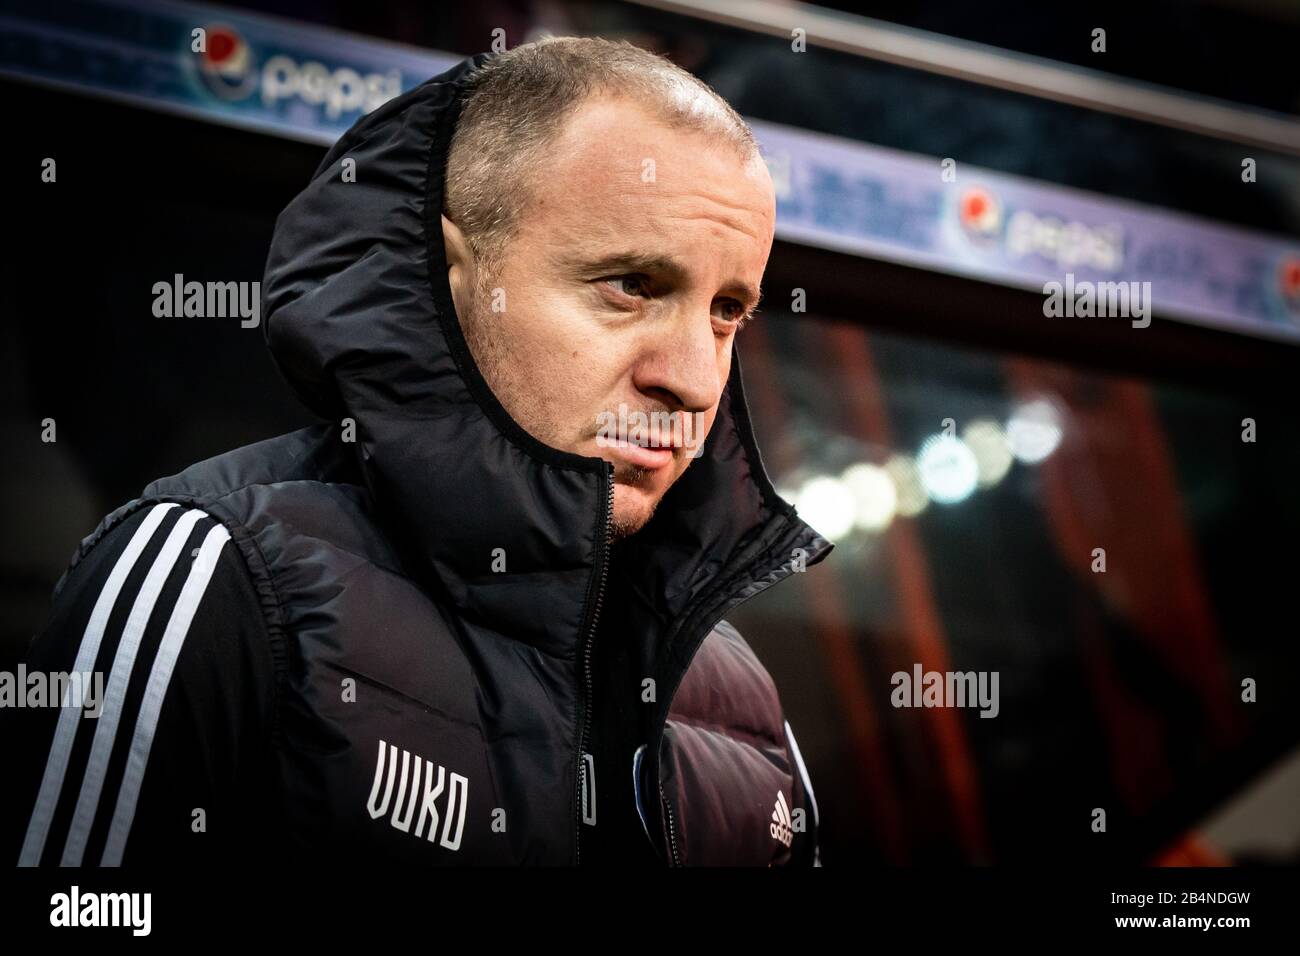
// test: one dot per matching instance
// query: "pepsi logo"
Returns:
(979, 212)
(226, 64)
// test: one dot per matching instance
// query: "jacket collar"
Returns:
(359, 318)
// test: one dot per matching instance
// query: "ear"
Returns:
(461, 266)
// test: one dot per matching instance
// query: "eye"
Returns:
(633, 285)
(735, 313)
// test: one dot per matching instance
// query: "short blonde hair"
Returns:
(516, 105)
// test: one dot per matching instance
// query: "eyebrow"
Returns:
(651, 264)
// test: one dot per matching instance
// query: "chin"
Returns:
(633, 507)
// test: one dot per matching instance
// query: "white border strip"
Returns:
(92, 783)
(164, 664)
(64, 735)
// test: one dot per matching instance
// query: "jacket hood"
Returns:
(359, 317)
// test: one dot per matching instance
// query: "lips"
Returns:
(641, 455)
(646, 440)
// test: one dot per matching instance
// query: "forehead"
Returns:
(617, 174)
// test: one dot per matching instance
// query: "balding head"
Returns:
(519, 103)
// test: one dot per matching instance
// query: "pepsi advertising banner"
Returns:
(256, 72)
(879, 202)
(312, 84)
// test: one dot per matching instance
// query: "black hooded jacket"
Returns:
(404, 634)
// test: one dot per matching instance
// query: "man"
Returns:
(476, 617)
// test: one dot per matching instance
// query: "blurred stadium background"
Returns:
(966, 548)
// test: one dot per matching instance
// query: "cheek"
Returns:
(562, 354)
(724, 358)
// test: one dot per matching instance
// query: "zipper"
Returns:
(672, 828)
(602, 559)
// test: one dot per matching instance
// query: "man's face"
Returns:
(620, 294)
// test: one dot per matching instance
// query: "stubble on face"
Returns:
(622, 524)
(507, 374)
(599, 359)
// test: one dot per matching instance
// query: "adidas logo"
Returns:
(780, 827)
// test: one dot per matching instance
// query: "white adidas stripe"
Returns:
(803, 772)
(61, 748)
(92, 783)
(178, 626)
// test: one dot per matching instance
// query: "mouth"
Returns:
(643, 453)
(645, 441)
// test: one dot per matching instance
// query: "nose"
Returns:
(683, 363)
